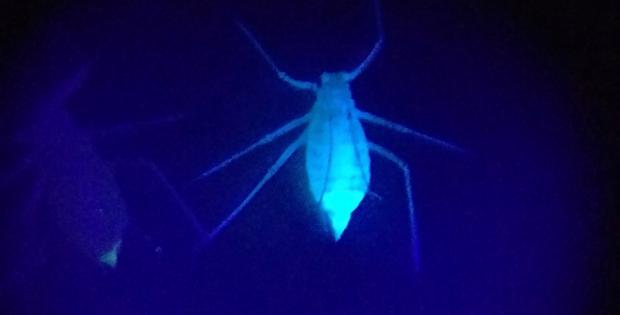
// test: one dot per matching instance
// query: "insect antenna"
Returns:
(350, 76)
(302, 85)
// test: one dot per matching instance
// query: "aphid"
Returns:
(73, 183)
(337, 150)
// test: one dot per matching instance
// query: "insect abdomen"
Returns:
(338, 167)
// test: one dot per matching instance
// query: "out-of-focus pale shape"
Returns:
(110, 257)
(77, 187)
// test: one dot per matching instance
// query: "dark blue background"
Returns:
(515, 226)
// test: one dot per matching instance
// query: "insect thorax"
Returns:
(333, 97)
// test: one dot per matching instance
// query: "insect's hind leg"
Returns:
(350, 76)
(138, 126)
(189, 214)
(405, 168)
(272, 170)
(264, 140)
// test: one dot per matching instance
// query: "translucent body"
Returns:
(74, 186)
(337, 159)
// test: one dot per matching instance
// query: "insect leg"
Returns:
(403, 166)
(374, 195)
(272, 170)
(373, 119)
(264, 140)
(200, 232)
(350, 76)
(124, 128)
(302, 85)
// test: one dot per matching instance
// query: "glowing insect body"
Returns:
(337, 159)
(337, 150)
